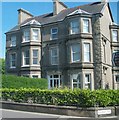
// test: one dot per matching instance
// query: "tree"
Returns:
(2, 65)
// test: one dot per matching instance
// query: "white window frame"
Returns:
(54, 80)
(87, 52)
(86, 27)
(55, 33)
(26, 31)
(11, 60)
(72, 53)
(35, 35)
(74, 30)
(35, 76)
(114, 35)
(35, 57)
(24, 58)
(57, 56)
(89, 82)
(77, 81)
(13, 41)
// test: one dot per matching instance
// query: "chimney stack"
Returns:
(23, 15)
(58, 6)
(104, 1)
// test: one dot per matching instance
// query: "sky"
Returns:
(8, 11)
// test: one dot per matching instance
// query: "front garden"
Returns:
(29, 90)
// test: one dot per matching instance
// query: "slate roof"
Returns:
(92, 8)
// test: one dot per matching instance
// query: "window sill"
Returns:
(25, 41)
(13, 46)
(25, 66)
(12, 67)
(37, 65)
(54, 39)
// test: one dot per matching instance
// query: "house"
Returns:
(74, 47)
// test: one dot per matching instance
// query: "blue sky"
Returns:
(10, 14)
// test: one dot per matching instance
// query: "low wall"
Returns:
(62, 110)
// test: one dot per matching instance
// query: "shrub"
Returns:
(67, 97)
(12, 81)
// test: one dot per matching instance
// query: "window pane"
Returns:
(54, 30)
(87, 78)
(26, 35)
(75, 52)
(74, 27)
(117, 78)
(35, 56)
(26, 61)
(13, 41)
(35, 34)
(26, 57)
(54, 33)
(54, 56)
(26, 53)
(114, 34)
(86, 52)
(85, 25)
(76, 57)
(13, 60)
(35, 53)
(34, 76)
(87, 81)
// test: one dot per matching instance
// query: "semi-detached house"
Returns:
(74, 47)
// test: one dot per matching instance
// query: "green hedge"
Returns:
(12, 81)
(82, 98)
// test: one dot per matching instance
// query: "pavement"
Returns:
(7, 114)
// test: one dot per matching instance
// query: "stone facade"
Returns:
(74, 46)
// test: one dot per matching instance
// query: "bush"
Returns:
(79, 98)
(12, 81)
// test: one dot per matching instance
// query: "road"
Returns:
(22, 115)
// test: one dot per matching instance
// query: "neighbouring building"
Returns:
(74, 47)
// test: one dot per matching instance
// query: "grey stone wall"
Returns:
(97, 51)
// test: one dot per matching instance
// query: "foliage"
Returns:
(12, 81)
(67, 97)
(2, 66)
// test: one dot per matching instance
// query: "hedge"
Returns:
(67, 97)
(12, 81)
